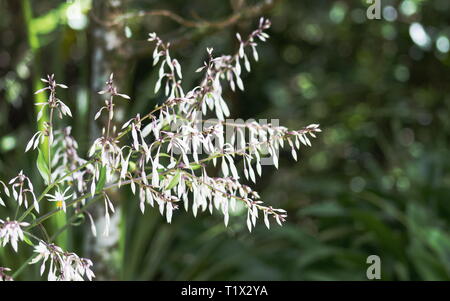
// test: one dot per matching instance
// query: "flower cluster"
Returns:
(53, 103)
(63, 266)
(166, 161)
(11, 232)
(180, 179)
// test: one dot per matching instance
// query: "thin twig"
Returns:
(246, 12)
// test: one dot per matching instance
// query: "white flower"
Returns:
(60, 198)
(21, 189)
(44, 254)
(11, 231)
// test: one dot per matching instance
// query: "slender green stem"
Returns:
(50, 135)
(23, 266)
(44, 232)
(109, 107)
(17, 211)
(73, 218)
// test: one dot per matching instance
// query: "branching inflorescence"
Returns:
(166, 162)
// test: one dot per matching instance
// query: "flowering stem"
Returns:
(52, 185)
(49, 187)
(85, 196)
(50, 140)
(17, 211)
(55, 211)
(110, 108)
(63, 228)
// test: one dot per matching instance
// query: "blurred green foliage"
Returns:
(376, 180)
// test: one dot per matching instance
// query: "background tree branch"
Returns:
(196, 28)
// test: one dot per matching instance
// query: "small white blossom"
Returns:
(60, 198)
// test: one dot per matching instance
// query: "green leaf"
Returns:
(101, 181)
(174, 180)
(43, 167)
